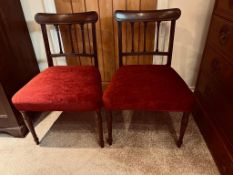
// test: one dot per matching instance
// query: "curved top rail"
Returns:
(147, 15)
(67, 18)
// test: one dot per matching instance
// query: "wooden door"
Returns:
(107, 32)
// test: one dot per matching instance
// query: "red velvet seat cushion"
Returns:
(148, 87)
(61, 88)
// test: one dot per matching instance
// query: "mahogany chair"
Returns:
(148, 87)
(64, 88)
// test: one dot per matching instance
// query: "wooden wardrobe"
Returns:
(17, 64)
(214, 89)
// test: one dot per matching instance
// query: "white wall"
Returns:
(30, 8)
(191, 33)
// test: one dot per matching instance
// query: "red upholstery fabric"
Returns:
(61, 88)
(148, 87)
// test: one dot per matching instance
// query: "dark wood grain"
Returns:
(225, 8)
(214, 88)
(68, 18)
(221, 35)
(147, 15)
(17, 64)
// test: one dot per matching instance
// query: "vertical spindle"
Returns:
(145, 28)
(47, 48)
(157, 39)
(83, 38)
(120, 43)
(59, 39)
(132, 31)
(171, 42)
(94, 44)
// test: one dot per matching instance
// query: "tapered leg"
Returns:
(30, 126)
(109, 124)
(184, 123)
(100, 129)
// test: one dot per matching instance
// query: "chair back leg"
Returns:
(30, 126)
(100, 128)
(109, 125)
(184, 123)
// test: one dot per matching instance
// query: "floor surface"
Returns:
(144, 143)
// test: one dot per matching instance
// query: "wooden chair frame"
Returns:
(67, 19)
(146, 16)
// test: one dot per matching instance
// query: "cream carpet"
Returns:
(144, 143)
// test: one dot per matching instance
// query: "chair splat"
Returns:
(68, 24)
(146, 17)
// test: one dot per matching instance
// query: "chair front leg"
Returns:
(109, 124)
(184, 123)
(100, 128)
(30, 126)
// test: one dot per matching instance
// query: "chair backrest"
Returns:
(70, 21)
(145, 17)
